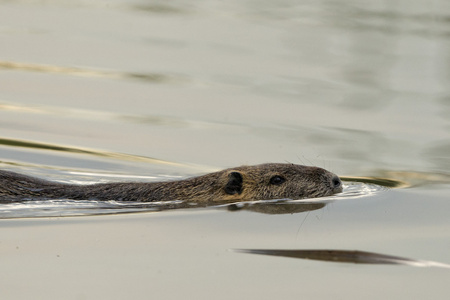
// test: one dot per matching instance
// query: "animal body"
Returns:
(245, 183)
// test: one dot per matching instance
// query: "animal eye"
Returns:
(277, 180)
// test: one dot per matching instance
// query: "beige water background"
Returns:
(150, 90)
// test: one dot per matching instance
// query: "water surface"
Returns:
(150, 90)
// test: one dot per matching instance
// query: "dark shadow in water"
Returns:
(345, 256)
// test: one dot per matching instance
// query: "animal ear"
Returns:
(234, 184)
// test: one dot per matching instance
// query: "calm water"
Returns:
(153, 90)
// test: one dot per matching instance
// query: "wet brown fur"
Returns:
(237, 184)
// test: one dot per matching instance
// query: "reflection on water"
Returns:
(438, 154)
(277, 207)
(42, 146)
(65, 208)
(86, 72)
(388, 20)
(162, 7)
(386, 182)
(345, 256)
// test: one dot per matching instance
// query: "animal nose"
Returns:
(336, 183)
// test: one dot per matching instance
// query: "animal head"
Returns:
(279, 181)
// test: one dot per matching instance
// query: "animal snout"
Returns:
(336, 184)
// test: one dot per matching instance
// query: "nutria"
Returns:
(260, 182)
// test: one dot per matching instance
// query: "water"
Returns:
(150, 90)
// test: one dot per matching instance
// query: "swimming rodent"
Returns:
(245, 183)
